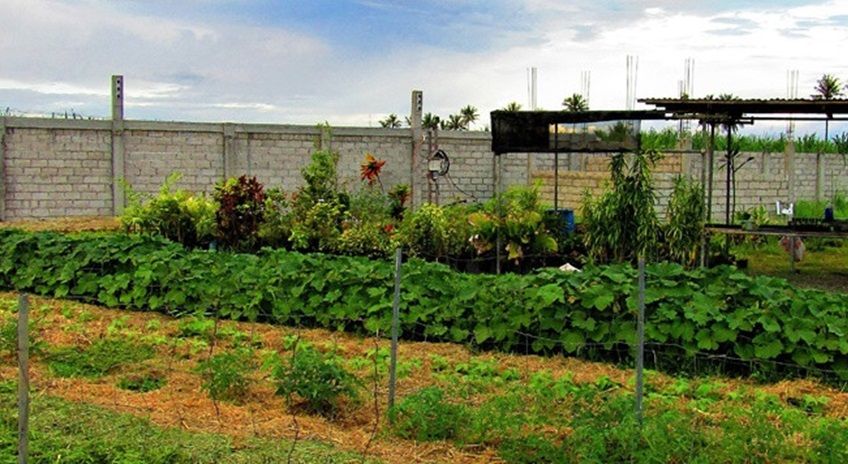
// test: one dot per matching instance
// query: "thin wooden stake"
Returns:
(23, 379)
(640, 334)
(395, 324)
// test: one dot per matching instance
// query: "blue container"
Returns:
(564, 218)
(828, 214)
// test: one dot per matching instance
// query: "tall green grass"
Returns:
(815, 209)
(668, 138)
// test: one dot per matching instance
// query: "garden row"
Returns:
(717, 311)
(366, 220)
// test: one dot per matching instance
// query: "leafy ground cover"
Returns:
(718, 312)
(454, 405)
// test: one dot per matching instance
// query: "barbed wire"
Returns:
(69, 113)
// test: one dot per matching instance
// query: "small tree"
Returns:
(430, 121)
(241, 209)
(827, 87)
(469, 115)
(454, 122)
(622, 223)
(391, 121)
(575, 102)
(512, 107)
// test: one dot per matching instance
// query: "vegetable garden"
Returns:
(256, 315)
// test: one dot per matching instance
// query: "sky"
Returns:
(352, 62)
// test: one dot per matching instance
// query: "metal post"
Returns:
(556, 167)
(640, 340)
(23, 378)
(791, 254)
(498, 240)
(727, 215)
(395, 324)
(711, 162)
(703, 262)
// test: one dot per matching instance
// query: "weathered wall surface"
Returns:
(54, 167)
(51, 172)
(768, 177)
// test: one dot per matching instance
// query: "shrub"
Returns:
(319, 380)
(459, 231)
(424, 232)
(685, 226)
(177, 215)
(276, 228)
(516, 215)
(318, 207)
(366, 239)
(622, 223)
(319, 228)
(426, 416)
(225, 374)
(399, 195)
(241, 208)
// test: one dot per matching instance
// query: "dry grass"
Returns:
(181, 403)
(67, 224)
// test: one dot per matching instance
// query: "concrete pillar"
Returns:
(2, 169)
(819, 177)
(230, 151)
(117, 98)
(118, 150)
(789, 165)
(417, 135)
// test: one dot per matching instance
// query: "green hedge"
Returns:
(720, 311)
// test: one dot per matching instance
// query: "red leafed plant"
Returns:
(370, 169)
(241, 209)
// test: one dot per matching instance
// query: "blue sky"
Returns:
(351, 62)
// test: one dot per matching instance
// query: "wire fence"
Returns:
(183, 410)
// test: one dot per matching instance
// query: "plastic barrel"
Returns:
(564, 219)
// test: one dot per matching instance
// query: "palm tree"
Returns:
(469, 115)
(575, 102)
(454, 122)
(392, 121)
(512, 107)
(827, 88)
(430, 121)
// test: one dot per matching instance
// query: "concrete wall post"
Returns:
(2, 169)
(118, 150)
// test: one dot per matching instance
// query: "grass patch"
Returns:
(100, 358)
(824, 267)
(142, 382)
(78, 433)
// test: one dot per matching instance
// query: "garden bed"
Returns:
(800, 420)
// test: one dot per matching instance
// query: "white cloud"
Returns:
(208, 69)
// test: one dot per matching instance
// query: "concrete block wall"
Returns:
(765, 179)
(55, 168)
(57, 172)
(152, 155)
(589, 172)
